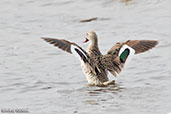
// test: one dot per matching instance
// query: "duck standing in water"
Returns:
(95, 65)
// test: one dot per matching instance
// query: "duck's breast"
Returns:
(90, 76)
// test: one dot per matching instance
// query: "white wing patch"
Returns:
(131, 54)
(75, 49)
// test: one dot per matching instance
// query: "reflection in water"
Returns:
(36, 76)
(100, 90)
(101, 94)
(91, 102)
(91, 95)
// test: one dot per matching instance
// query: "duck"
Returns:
(96, 65)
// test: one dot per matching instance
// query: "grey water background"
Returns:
(45, 80)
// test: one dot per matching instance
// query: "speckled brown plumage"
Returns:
(94, 64)
(62, 44)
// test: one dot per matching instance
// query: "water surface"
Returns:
(46, 80)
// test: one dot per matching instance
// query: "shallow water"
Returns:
(42, 79)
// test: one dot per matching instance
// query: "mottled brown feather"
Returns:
(96, 63)
(62, 44)
(141, 45)
(111, 60)
(66, 46)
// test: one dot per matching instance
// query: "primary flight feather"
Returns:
(94, 64)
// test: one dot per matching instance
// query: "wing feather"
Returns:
(141, 45)
(62, 44)
(112, 61)
(72, 48)
(69, 47)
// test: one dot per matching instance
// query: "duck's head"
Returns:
(91, 36)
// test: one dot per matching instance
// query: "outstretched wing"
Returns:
(69, 47)
(141, 45)
(122, 52)
(62, 44)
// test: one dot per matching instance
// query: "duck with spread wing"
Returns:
(94, 64)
